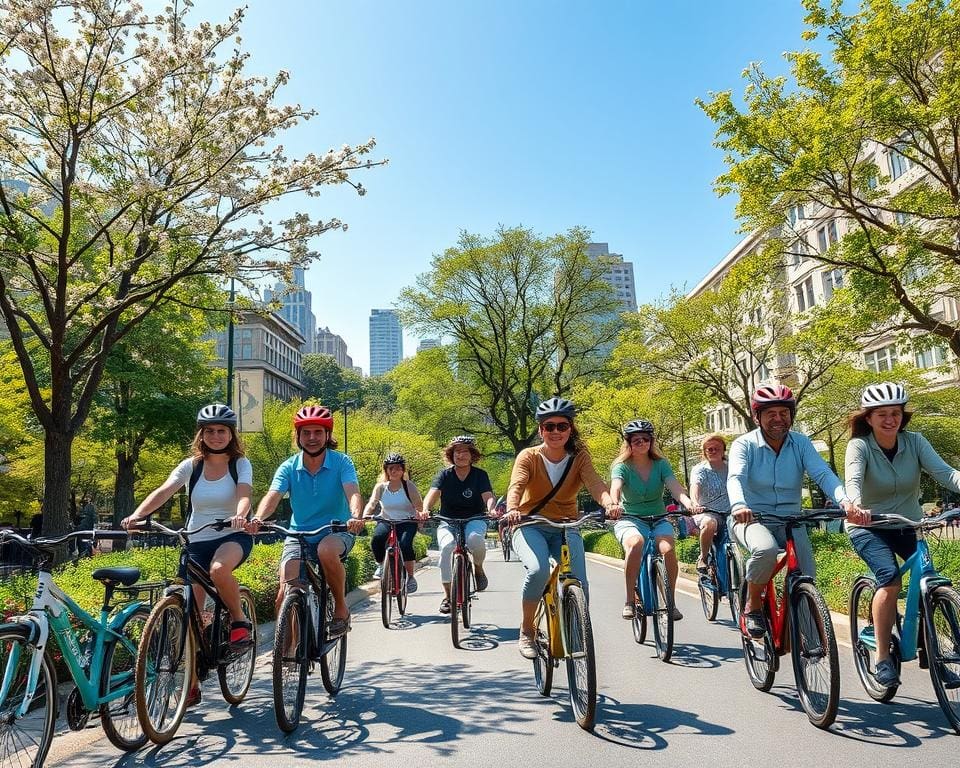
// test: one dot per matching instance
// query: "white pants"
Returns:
(475, 536)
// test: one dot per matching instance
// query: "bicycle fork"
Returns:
(41, 634)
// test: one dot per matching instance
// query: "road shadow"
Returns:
(644, 726)
(703, 656)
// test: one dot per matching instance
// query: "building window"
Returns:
(880, 360)
(832, 279)
(902, 218)
(804, 295)
(930, 358)
(827, 235)
(795, 214)
(899, 163)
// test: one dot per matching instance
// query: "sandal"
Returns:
(629, 611)
(241, 633)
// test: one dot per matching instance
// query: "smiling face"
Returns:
(713, 450)
(216, 436)
(640, 443)
(462, 456)
(775, 421)
(555, 431)
(394, 471)
(885, 421)
(313, 439)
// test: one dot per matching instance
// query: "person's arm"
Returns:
(374, 500)
(490, 501)
(854, 468)
(155, 499)
(352, 491)
(265, 509)
(736, 476)
(416, 501)
(431, 499)
(519, 477)
(935, 466)
(830, 484)
(680, 493)
(598, 488)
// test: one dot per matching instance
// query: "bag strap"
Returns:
(543, 502)
(198, 472)
(407, 491)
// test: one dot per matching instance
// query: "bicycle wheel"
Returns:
(505, 544)
(662, 610)
(333, 661)
(639, 622)
(943, 650)
(119, 716)
(165, 659)
(863, 641)
(402, 591)
(235, 672)
(543, 663)
(26, 740)
(290, 661)
(813, 648)
(467, 582)
(581, 664)
(386, 590)
(734, 580)
(758, 655)
(456, 590)
(709, 589)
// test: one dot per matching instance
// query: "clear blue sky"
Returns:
(535, 113)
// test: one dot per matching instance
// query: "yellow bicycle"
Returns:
(564, 630)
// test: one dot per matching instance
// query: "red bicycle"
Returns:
(393, 574)
(812, 643)
(461, 584)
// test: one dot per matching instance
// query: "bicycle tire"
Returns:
(236, 673)
(466, 606)
(119, 716)
(943, 650)
(506, 545)
(41, 718)
(455, 592)
(813, 649)
(333, 660)
(290, 663)
(761, 669)
(165, 660)
(543, 663)
(402, 591)
(861, 623)
(386, 590)
(709, 589)
(662, 610)
(639, 621)
(581, 661)
(734, 580)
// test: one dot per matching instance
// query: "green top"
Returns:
(640, 498)
(893, 487)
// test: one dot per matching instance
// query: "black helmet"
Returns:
(555, 406)
(464, 440)
(217, 413)
(637, 425)
(395, 458)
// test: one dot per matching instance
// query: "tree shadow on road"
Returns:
(703, 656)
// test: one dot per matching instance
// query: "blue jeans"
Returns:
(535, 545)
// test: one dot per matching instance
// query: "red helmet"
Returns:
(772, 394)
(314, 415)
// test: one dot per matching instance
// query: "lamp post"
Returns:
(345, 404)
(233, 296)
(683, 450)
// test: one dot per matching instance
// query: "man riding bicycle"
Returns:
(765, 476)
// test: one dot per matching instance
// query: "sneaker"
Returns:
(528, 648)
(241, 634)
(629, 611)
(886, 674)
(753, 624)
(411, 585)
(482, 581)
(338, 627)
(378, 572)
(445, 605)
(676, 614)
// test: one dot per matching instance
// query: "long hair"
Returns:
(385, 479)
(857, 422)
(234, 449)
(625, 450)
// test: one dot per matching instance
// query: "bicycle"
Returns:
(928, 630)
(724, 573)
(301, 638)
(176, 642)
(564, 630)
(812, 643)
(462, 592)
(652, 595)
(505, 535)
(101, 667)
(393, 573)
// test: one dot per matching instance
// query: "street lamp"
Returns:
(233, 296)
(345, 404)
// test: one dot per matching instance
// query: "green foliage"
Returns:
(603, 542)
(324, 381)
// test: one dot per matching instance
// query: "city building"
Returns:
(386, 340)
(297, 307)
(428, 344)
(326, 342)
(619, 275)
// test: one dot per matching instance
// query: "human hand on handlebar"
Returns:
(855, 514)
(614, 510)
(743, 515)
(513, 516)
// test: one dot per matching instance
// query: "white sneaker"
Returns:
(379, 572)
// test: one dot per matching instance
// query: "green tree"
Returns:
(323, 380)
(529, 317)
(868, 142)
(151, 157)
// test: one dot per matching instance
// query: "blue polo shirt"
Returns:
(768, 482)
(315, 499)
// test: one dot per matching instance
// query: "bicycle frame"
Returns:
(777, 610)
(560, 577)
(719, 551)
(459, 526)
(648, 553)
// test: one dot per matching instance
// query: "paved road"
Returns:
(409, 696)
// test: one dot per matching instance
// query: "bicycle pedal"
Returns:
(759, 649)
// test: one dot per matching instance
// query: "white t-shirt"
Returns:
(394, 505)
(212, 499)
(555, 469)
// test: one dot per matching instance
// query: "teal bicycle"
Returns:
(928, 630)
(102, 665)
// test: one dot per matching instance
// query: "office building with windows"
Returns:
(386, 340)
(297, 307)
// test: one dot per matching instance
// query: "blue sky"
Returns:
(543, 114)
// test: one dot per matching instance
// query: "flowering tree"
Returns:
(136, 156)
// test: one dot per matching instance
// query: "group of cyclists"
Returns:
(755, 487)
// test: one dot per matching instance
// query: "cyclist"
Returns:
(323, 487)
(708, 489)
(883, 464)
(765, 475)
(639, 475)
(399, 500)
(220, 479)
(463, 491)
(545, 480)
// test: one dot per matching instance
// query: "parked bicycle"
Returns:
(393, 573)
(928, 630)
(462, 591)
(724, 573)
(101, 666)
(798, 622)
(301, 638)
(564, 631)
(177, 644)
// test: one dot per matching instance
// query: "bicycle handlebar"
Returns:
(928, 522)
(44, 544)
(333, 525)
(811, 517)
(382, 519)
(150, 526)
(589, 517)
(463, 520)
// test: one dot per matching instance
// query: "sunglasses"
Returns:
(640, 440)
(556, 426)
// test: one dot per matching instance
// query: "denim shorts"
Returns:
(878, 547)
(202, 552)
(627, 526)
(292, 551)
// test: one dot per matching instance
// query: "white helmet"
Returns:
(887, 393)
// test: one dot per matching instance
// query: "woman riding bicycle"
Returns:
(463, 491)
(708, 489)
(400, 501)
(216, 495)
(639, 475)
(883, 464)
(561, 461)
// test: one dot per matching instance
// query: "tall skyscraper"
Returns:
(386, 340)
(329, 343)
(297, 307)
(619, 275)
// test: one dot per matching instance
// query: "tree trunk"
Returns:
(123, 501)
(56, 487)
